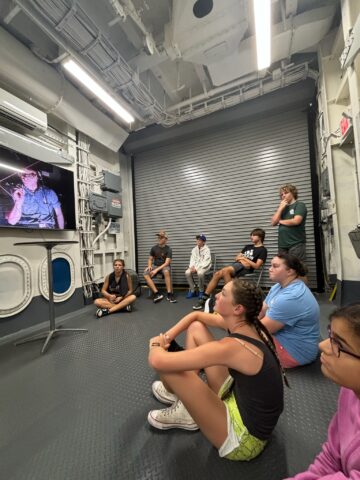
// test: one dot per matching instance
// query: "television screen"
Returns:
(35, 194)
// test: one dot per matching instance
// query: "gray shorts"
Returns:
(239, 269)
(168, 269)
(298, 251)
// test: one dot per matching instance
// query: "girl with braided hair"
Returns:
(239, 406)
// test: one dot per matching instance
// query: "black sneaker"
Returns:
(201, 304)
(102, 312)
(129, 308)
(157, 297)
(170, 298)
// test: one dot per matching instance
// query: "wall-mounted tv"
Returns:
(35, 194)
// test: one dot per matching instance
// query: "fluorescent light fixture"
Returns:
(8, 167)
(262, 12)
(80, 74)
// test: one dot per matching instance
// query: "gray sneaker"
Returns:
(175, 416)
(200, 304)
(161, 394)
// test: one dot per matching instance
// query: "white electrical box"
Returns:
(114, 228)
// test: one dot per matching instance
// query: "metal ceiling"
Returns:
(169, 65)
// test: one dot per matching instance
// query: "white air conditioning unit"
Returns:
(21, 116)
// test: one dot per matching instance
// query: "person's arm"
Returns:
(15, 213)
(277, 215)
(167, 261)
(104, 291)
(263, 311)
(207, 355)
(59, 217)
(165, 264)
(206, 261)
(292, 222)
(250, 264)
(272, 325)
(150, 262)
(208, 319)
(192, 258)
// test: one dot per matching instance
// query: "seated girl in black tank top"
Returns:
(239, 406)
(117, 291)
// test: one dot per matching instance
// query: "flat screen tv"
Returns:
(35, 194)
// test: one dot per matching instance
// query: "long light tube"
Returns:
(262, 13)
(80, 74)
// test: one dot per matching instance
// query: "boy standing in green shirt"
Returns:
(290, 216)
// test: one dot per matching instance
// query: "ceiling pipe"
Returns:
(28, 77)
(126, 8)
(218, 90)
(74, 54)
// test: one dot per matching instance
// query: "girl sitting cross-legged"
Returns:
(239, 406)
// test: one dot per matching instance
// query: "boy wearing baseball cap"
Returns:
(200, 263)
(251, 258)
(159, 263)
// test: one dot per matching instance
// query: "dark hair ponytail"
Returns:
(294, 263)
(250, 297)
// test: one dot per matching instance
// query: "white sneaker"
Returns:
(161, 394)
(175, 416)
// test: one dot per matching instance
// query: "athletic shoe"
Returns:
(201, 304)
(175, 416)
(190, 294)
(162, 394)
(157, 297)
(170, 298)
(102, 312)
(209, 305)
(129, 308)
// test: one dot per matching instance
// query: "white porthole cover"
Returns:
(15, 272)
(43, 278)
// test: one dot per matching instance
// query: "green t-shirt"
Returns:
(290, 236)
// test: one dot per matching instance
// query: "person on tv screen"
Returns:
(35, 205)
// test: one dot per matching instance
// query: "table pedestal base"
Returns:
(48, 335)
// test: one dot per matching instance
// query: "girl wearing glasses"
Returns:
(340, 361)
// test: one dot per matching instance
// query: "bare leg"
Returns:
(197, 334)
(123, 304)
(214, 281)
(228, 274)
(103, 303)
(167, 278)
(205, 407)
(150, 283)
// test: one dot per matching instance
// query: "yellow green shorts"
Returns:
(239, 444)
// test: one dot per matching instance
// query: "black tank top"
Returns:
(260, 397)
(120, 287)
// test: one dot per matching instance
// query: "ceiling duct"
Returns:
(21, 116)
(28, 77)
